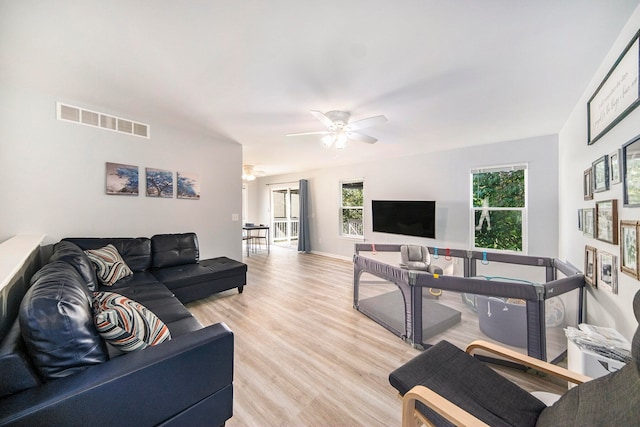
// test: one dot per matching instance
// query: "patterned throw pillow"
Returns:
(127, 324)
(110, 266)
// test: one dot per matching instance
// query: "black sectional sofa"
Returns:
(56, 369)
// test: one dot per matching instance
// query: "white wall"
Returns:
(53, 178)
(441, 176)
(603, 308)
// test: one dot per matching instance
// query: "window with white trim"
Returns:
(352, 208)
(499, 208)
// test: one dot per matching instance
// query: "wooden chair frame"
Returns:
(457, 415)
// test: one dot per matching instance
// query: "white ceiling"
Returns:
(445, 73)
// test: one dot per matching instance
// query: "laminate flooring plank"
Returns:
(303, 355)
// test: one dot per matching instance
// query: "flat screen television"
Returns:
(406, 217)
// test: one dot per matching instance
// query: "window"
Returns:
(352, 208)
(498, 200)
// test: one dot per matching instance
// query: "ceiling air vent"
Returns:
(90, 118)
(81, 116)
(141, 130)
(67, 112)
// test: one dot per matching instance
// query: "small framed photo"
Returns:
(590, 265)
(587, 185)
(607, 221)
(600, 170)
(608, 272)
(580, 214)
(631, 173)
(615, 167)
(588, 221)
(629, 248)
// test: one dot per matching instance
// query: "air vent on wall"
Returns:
(81, 116)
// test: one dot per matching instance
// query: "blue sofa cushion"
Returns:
(16, 371)
(56, 322)
(74, 256)
(136, 252)
(174, 249)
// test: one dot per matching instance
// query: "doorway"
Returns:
(285, 215)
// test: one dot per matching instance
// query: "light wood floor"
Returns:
(303, 355)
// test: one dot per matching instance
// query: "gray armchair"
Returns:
(415, 257)
(447, 386)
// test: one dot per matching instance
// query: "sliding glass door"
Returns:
(285, 213)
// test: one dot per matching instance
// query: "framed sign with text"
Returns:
(617, 95)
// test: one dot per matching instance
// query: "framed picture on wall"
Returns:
(617, 95)
(587, 185)
(121, 179)
(615, 167)
(608, 272)
(188, 185)
(580, 214)
(590, 265)
(631, 172)
(600, 170)
(588, 221)
(159, 183)
(629, 248)
(607, 221)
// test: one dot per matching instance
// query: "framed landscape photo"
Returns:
(631, 172)
(188, 185)
(122, 179)
(590, 265)
(588, 221)
(587, 185)
(600, 170)
(615, 167)
(607, 221)
(159, 183)
(617, 95)
(608, 272)
(629, 248)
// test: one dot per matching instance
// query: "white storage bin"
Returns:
(589, 363)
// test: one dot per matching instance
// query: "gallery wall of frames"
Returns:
(613, 100)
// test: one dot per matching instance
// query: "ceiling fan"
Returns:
(339, 130)
(249, 173)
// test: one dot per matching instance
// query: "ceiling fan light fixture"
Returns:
(327, 140)
(247, 173)
(341, 141)
(340, 131)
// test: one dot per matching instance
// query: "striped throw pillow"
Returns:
(127, 324)
(110, 266)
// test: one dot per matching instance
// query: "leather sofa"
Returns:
(56, 369)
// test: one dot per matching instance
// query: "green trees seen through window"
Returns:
(352, 208)
(499, 207)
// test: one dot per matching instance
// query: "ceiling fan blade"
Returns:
(370, 121)
(324, 119)
(357, 136)
(322, 132)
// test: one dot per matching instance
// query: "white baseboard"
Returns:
(342, 257)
